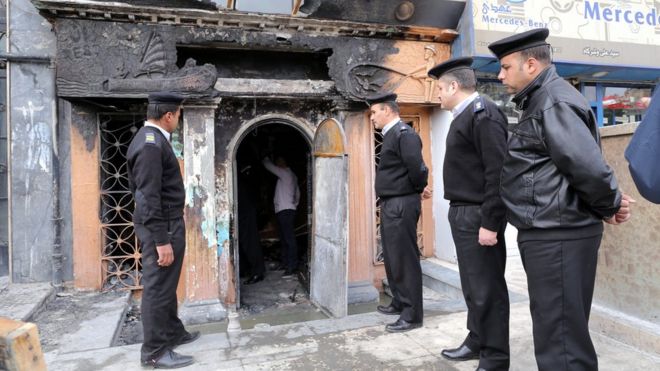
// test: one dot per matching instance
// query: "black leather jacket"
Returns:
(554, 175)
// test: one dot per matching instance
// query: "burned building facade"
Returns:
(254, 82)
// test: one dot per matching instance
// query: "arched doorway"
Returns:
(264, 285)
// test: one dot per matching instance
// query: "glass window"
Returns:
(261, 6)
(625, 105)
(495, 91)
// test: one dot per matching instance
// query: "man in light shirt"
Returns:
(287, 196)
(475, 148)
(400, 180)
(156, 184)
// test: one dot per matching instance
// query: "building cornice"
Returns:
(120, 12)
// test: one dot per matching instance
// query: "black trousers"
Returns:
(398, 230)
(560, 280)
(481, 269)
(160, 320)
(285, 220)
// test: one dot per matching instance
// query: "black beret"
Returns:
(450, 65)
(518, 42)
(381, 98)
(165, 97)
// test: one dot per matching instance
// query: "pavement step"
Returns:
(100, 331)
(441, 279)
(438, 278)
(434, 302)
(357, 342)
(21, 301)
(444, 279)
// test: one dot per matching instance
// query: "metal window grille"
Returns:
(120, 260)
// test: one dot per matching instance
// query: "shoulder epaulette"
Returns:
(404, 127)
(150, 137)
(479, 104)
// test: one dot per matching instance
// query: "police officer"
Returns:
(157, 187)
(400, 178)
(476, 144)
(558, 191)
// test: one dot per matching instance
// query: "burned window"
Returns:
(260, 6)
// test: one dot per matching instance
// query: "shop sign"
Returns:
(600, 32)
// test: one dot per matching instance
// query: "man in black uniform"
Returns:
(400, 178)
(476, 144)
(157, 187)
(558, 190)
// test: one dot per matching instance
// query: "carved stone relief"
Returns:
(405, 73)
(113, 59)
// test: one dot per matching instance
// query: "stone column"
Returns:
(200, 271)
(32, 124)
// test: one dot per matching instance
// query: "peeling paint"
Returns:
(197, 199)
(177, 145)
(222, 231)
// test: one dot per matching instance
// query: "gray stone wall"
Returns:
(32, 122)
(627, 293)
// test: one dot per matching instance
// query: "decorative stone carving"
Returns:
(152, 73)
(401, 73)
(106, 59)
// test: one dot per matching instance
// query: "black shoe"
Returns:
(254, 279)
(402, 326)
(388, 309)
(462, 353)
(169, 359)
(189, 337)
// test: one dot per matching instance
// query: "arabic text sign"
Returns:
(582, 31)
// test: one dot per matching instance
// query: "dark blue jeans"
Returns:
(285, 219)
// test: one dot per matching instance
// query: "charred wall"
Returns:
(234, 112)
(113, 59)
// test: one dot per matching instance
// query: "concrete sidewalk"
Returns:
(357, 342)
(20, 302)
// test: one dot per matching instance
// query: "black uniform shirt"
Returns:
(155, 180)
(476, 144)
(401, 170)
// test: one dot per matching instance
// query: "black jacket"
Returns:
(554, 175)
(401, 170)
(155, 181)
(476, 145)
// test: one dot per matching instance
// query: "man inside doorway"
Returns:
(285, 201)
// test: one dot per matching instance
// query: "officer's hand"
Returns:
(428, 192)
(487, 237)
(624, 213)
(165, 255)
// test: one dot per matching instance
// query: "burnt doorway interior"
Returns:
(255, 189)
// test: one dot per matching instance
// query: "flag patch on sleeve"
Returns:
(149, 138)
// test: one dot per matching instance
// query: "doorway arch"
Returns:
(269, 122)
